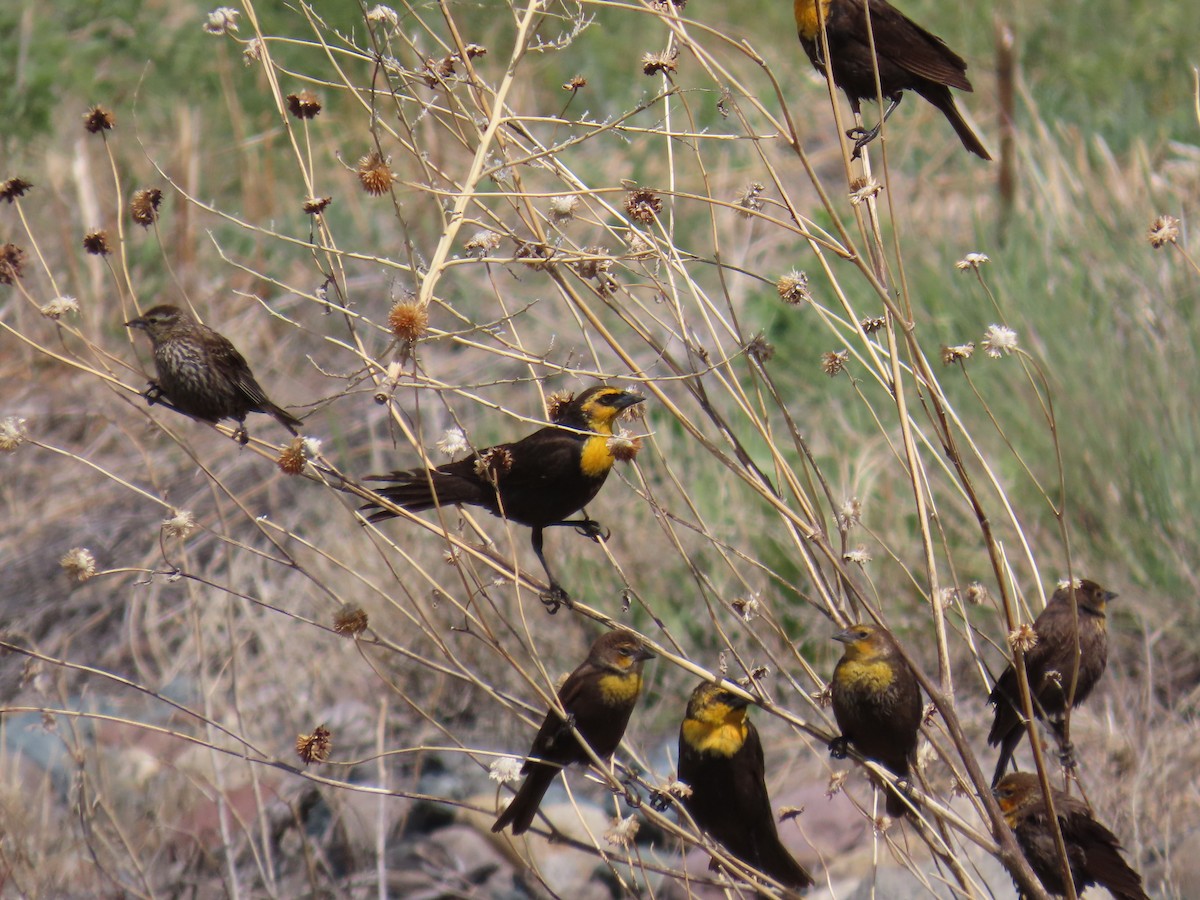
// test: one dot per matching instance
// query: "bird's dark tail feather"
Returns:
(412, 490)
(283, 417)
(939, 95)
(524, 806)
(777, 862)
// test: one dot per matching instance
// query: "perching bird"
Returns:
(538, 481)
(877, 704)
(1049, 664)
(909, 59)
(1093, 852)
(201, 373)
(599, 697)
(721, 761)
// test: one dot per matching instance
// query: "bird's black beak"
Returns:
(628, 399)
(1110, 595)
(846, 637)
(136, 323)
(643, 653)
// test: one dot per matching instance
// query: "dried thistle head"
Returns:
(859, 555)
(557, 403)
(623, 832)
(98, 119)
(661, 63)
(833, 362)
(304, 105)
(595, 262)
(221, 20)
(12, 258)
(383, 14)
(863, 189)
(643, 205)
(1023, 638)
(453, 442)
(998, 341)
(494, 463)
(750, 200)
(181, 523)
(850, 512)
(760, 349)
(314, 747)
(408, 320)
(957, 353)
(562, 207)
(482, 243)
(536, 255)
(375, 174)
(350, 621)
(143, 207)
(13, 188)
(12, 433)
(1164, 230)
(291, 461)
(972, 261)
(872, 324)
(623, 446)
(505, 770)
(576, 83)
(59, 307)
(316, 205)
(793, 288)
(79, 564)
(96, 242)
(474, 50)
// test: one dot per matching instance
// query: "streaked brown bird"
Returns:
(1049, 665)
(201, 374)
(909, 58)
(721, 760)
(1093, 852)
(599, 697)
(877, 704)
(538, 481)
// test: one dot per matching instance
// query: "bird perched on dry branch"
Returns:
(538, 481)
(877, 704)
(907, 56)
(721, 761)
(201, 374)
(598, 698)
(1093, 852)
(1049, 665)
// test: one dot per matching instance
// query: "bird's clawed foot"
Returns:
(839, 747)
(593, 530)
(555, 598)
(1066, 756)
(633, 799)
(153, 393)
(241, 435)
(660, 800)
(861, 137)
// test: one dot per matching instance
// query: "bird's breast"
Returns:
(808, 24)
(597, 458)
(723, 740)
(619, 690)
(871, 677)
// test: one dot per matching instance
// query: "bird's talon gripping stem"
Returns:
(839, 747)
(555, 598)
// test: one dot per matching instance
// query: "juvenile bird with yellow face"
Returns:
(1049, 665)
(877, 704)
(721, 760)
(1093, 852)
(537, 481)
(598, 698)
(907, 56)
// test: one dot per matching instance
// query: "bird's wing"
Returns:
(909, 46)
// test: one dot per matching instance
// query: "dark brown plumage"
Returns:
(877, 704)
(721, 760)
(909, 59)
(1093, 852)
(1049, 664)
(201, 374)
(538, 481)
(599, 697)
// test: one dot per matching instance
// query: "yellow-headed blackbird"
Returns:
(721, 760)
(877, 704)
(909, 58)
(1093, 852)
(538, 481)
(598, 697)
(1049, 664)
(201, 374)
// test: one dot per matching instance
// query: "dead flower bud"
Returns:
(747, 607)
(562, 208)
(535, 255)
(505, 770)
(643, 205)
(556, 403)
(291, 460)
(760, 349)
(79, 564)
(751, 199)
(12, 433)
(971, 261)
(863, 189)
(834, 361)
(639, 246)
(793, 288)
(596, 262)
(957, 353)
(143, 207)
(12, 258)
(1164, 230)
(252, 52)
(453, 442)
(977, 594)
(316, 205)
(180, 525)
(384, 14)
(13, 188)
(408, 320)
(314, 747)
(1024, 638)
(622, 832)
(576, 83)
(350, 621)
(98, 119)
(222, 20)
(1063, 584)
(96, 243)
(624, 446)
(660, 63)
(872, 324)
(374, 174)
(851, 512)
(824, 699)
(677, 788)
(303, 105)
(787, 813)
(482, 243)
(474, 50)
(59, 307)
(998, 341)
(494, 463)
(836, 780)
(859, 555)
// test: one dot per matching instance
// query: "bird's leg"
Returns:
(153, 393)
(241, 435)
(633, 799)
(1066, 749)
(586, 526)
(862, 136)
(555, 597)
(839, 747)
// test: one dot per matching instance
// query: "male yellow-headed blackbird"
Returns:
(201, 373)
(598, 697)
(1093, 852)
(721, 760)
(1049, 664)
(877, 704)
(909, 58)
(537, 481)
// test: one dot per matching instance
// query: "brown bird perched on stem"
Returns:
(598, 698)
(1093, 852)
(201, 374)
(1049, 665)
(877, 704)
(721, 760)
(908, 58)
(538, 481)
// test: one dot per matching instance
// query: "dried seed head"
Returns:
(751, 198)
(12, 258)
(824, 699)
(78, 563)
(643, 205)
(760, 349)
(596, 262)
(291, 460)
(624, 446)
(1024, 638)
(252, 52)
(576, 83)
(222, 20)
(872, 324)
(13, 188)
(998, 341)
(747, 607)
(640, 246)
(144, 206)
(374, 174)
(453, 442)
(408, 320)
(977, 594)
(859, 555)
(957, 353)
(482, 243)
(181, 524)
(537, 256)
(1164, 230)
(562, 209)
(623, 832)
(836, 780)
(505, 770)
(96, 243)
(557, 403)
(787, 813)
(494, 463)
(834, 361)
(661, 63)
(384, 14)
(793, 288)
(350, 621)
(98, 119)
(316, 205)
(474, 50)
(862, 189)
(971, 261)
(12, 433)
(314, 747)
(851, 512)
(304, 105)
(59, 307)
